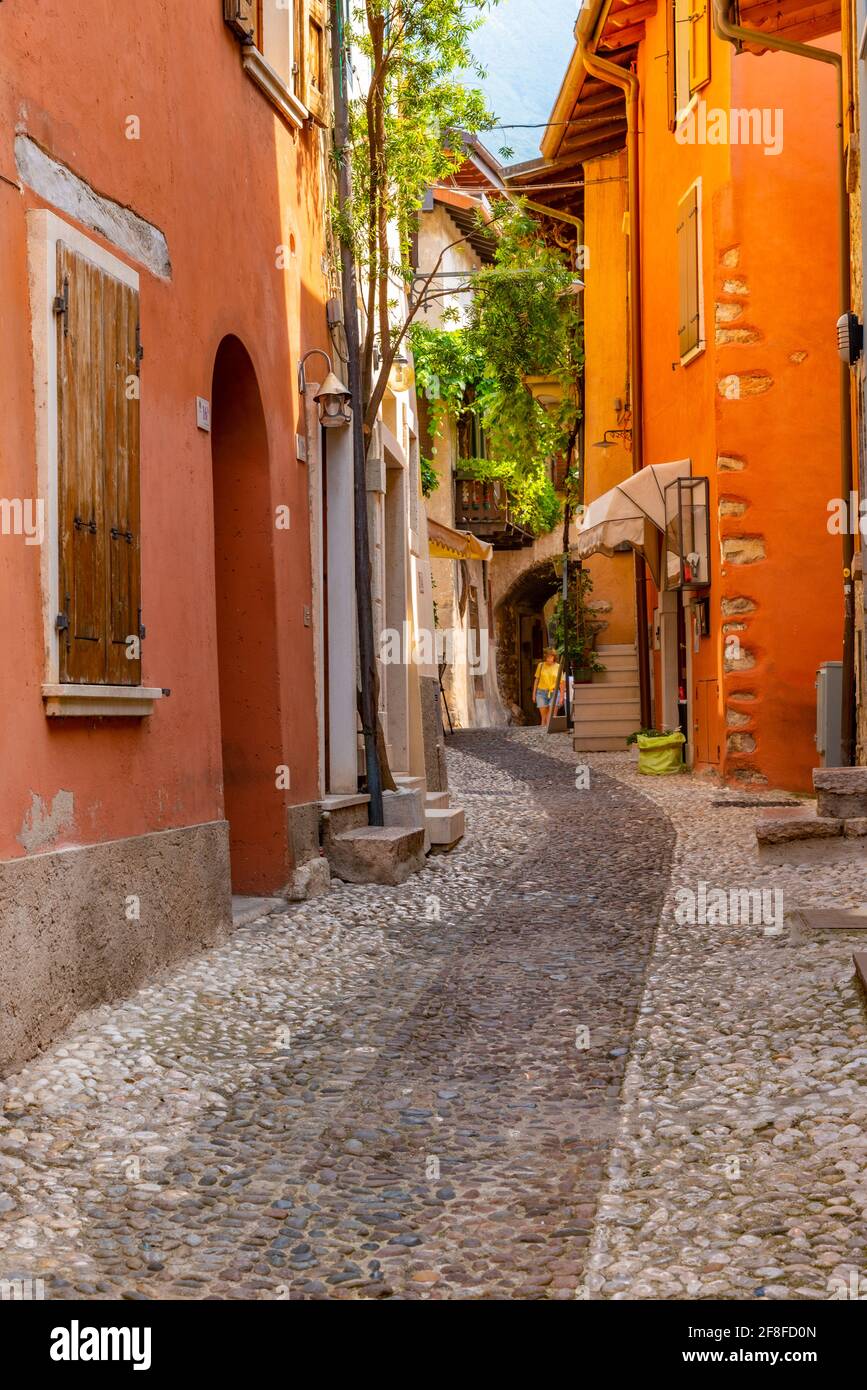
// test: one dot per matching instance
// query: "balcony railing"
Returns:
(482, 506)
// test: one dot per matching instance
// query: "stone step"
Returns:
(599, 743)
(245, 910)
(445, 825)
(405, 807)
(608, 709)
(436, 801)
(407, 783)
(376, 854)
(616, 648)
(841, 792)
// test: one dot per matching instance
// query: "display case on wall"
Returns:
(687, 533)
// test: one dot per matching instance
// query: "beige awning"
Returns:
(447, 543)
(632, 513)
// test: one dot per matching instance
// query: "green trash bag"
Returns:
(660, 754)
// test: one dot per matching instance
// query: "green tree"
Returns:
(402, 141)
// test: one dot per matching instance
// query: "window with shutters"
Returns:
(690, 326)
(98, 505)
(689, 31)
(284, 49)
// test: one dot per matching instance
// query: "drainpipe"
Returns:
(734, 34)
(589, 24)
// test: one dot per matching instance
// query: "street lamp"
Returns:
(401, 375)
(607, 440)
(333, 398)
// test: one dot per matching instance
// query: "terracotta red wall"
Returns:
(227, 183)
(772, 455)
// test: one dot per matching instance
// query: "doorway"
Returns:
(246, 625)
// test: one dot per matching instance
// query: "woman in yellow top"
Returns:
(545, 684)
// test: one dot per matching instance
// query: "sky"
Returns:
(525, 46)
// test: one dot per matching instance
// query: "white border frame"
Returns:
(701, 345)
(44, 230)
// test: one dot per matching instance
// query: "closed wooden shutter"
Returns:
(98, 474)
(699, 43)
(122, 490)
(688, 329)
(313, 72)
(243, 17)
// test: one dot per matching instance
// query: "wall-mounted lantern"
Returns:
(333, 398)
(687, 533)
(334, 401)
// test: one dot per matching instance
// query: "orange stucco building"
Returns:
(733, 196)
(162, 222)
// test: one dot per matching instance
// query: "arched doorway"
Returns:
(246, 625)
(522, 633)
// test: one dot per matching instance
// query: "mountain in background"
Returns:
(525, 46)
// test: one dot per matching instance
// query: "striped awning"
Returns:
(447, 543)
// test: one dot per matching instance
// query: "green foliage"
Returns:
(429, 478)
(573, 627)
(533, 502)
(523, 322)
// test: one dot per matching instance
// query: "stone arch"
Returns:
(521, 632)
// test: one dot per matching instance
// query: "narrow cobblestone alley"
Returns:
(383, 1091)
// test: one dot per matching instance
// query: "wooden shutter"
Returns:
(98, 473)
(122, 490)
(688, 272)
(699, 43)
(313, 69)
(242, 16)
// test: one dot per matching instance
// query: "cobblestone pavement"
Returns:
(739, 1171)
(383, 1092)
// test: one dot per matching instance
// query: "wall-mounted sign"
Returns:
(203, 414)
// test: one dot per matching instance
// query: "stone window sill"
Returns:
(271, 83)
(100, 701)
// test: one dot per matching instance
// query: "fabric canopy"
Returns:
(447, 543)
(632, 513)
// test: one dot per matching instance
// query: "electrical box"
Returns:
(829, 694)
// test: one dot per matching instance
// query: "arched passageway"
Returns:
(521, 635)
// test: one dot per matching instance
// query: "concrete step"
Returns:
(599, 694)
(625, 677)
(436, 801)
(376, 854)
(445, 825)
(599, 743)
(608, 710)
(619, 661)
(616, 648)
(606, 727)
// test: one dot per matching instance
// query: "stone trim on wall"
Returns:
(84, 925)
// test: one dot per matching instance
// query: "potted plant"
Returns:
(659, 752)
